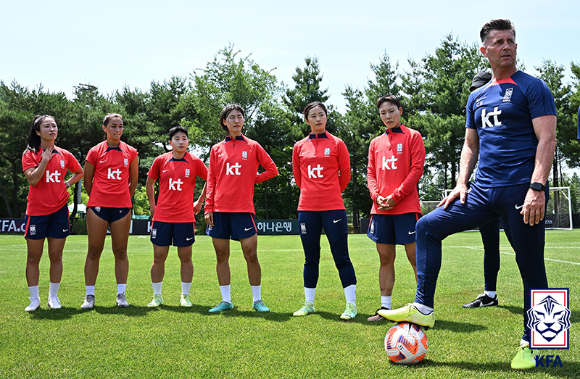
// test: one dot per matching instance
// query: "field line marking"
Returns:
(506, 253)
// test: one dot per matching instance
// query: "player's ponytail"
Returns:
(33, 137)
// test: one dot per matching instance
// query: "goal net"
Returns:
(558, 210)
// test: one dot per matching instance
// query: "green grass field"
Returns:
(174, 342)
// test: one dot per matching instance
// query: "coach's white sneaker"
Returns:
(34, 304)
(54, 303)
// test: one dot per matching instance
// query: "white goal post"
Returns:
(558, 210)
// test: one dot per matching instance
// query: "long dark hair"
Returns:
(33, 137)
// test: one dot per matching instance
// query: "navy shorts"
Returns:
(393, 229)
(54, 225)
(181, 233)
(232, 225)
(110, 214)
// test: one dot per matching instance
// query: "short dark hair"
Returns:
(391, 99)
(177, 129)
(111, 116)
(33, 138)
(312, 105)
(226, 112)
(499, 24)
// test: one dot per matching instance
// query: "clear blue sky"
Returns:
(111, 44)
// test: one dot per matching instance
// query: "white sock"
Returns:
(157, 287)
(185, 287)
(423, 308)
(226, 293)
(491, 294)
(33, 292)
(257, 292)
(309, 294)
(121, 288)
(53, 290)
(90, 290)
(350, 294)
(386, 301)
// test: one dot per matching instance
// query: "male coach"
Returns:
(511, 126)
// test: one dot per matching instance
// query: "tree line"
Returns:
(433, 91)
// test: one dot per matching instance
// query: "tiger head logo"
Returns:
(549, 318)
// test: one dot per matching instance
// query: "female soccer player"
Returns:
(229, 206)
(45, 166)
(111, 170)
(174, 215)
(395, 165)
(321, 167)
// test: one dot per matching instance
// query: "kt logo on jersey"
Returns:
(549, 318)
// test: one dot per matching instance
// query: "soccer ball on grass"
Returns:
(406, 343)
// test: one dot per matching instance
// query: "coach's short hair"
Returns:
(499, 24)
(390, 98)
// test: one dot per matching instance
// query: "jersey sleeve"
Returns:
(470, 113)
(201, 170)
(268, 164)
(28, 160)
(540, 100)
(416, 171)
(371, 173)
(71, 162)
(343, 165)
(154, 170)
(296, 165)
(211, 181)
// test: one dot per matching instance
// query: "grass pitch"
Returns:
(175, 342)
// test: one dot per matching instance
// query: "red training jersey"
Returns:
(176, 186)
(396, 161)
(111, 177)
(49, 194)
(232, 174)
(321, 166)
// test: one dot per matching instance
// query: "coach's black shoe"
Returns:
(482, 301)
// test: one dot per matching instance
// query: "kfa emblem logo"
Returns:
(244, 155)
(32, 230)
(61, 163)
(327, 152)
(302, 228)
(187, 171)
(126, 161)
(399, 148)
(372, 230)
(98, 209)
(549, 318)
(508, 95)
(153, 233)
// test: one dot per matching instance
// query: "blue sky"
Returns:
(111, 44)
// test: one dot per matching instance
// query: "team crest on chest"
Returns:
(126, 161)
(327, 152)
(61, 163)
(508, 95)
(187, 173)
(399, 148)
(244, 155)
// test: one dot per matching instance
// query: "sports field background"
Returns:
(174, 342)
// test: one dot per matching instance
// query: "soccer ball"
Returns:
(406, 343)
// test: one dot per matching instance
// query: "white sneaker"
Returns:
(89, 302)
(54, 303)
(122, 301)
(34, 304)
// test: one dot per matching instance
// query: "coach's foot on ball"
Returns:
(184, 301)
(34, 304)
(524, 358)
(349, 313)
(223, 306)
(54, 303)
(157, 301)
(306, 309)
(410, 314)
(377, 316)
(89, 302)
(260, 306)
(482, 301)
(122, 300)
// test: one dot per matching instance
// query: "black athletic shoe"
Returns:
(482, 301)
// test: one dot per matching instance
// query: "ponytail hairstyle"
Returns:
(33, 137)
